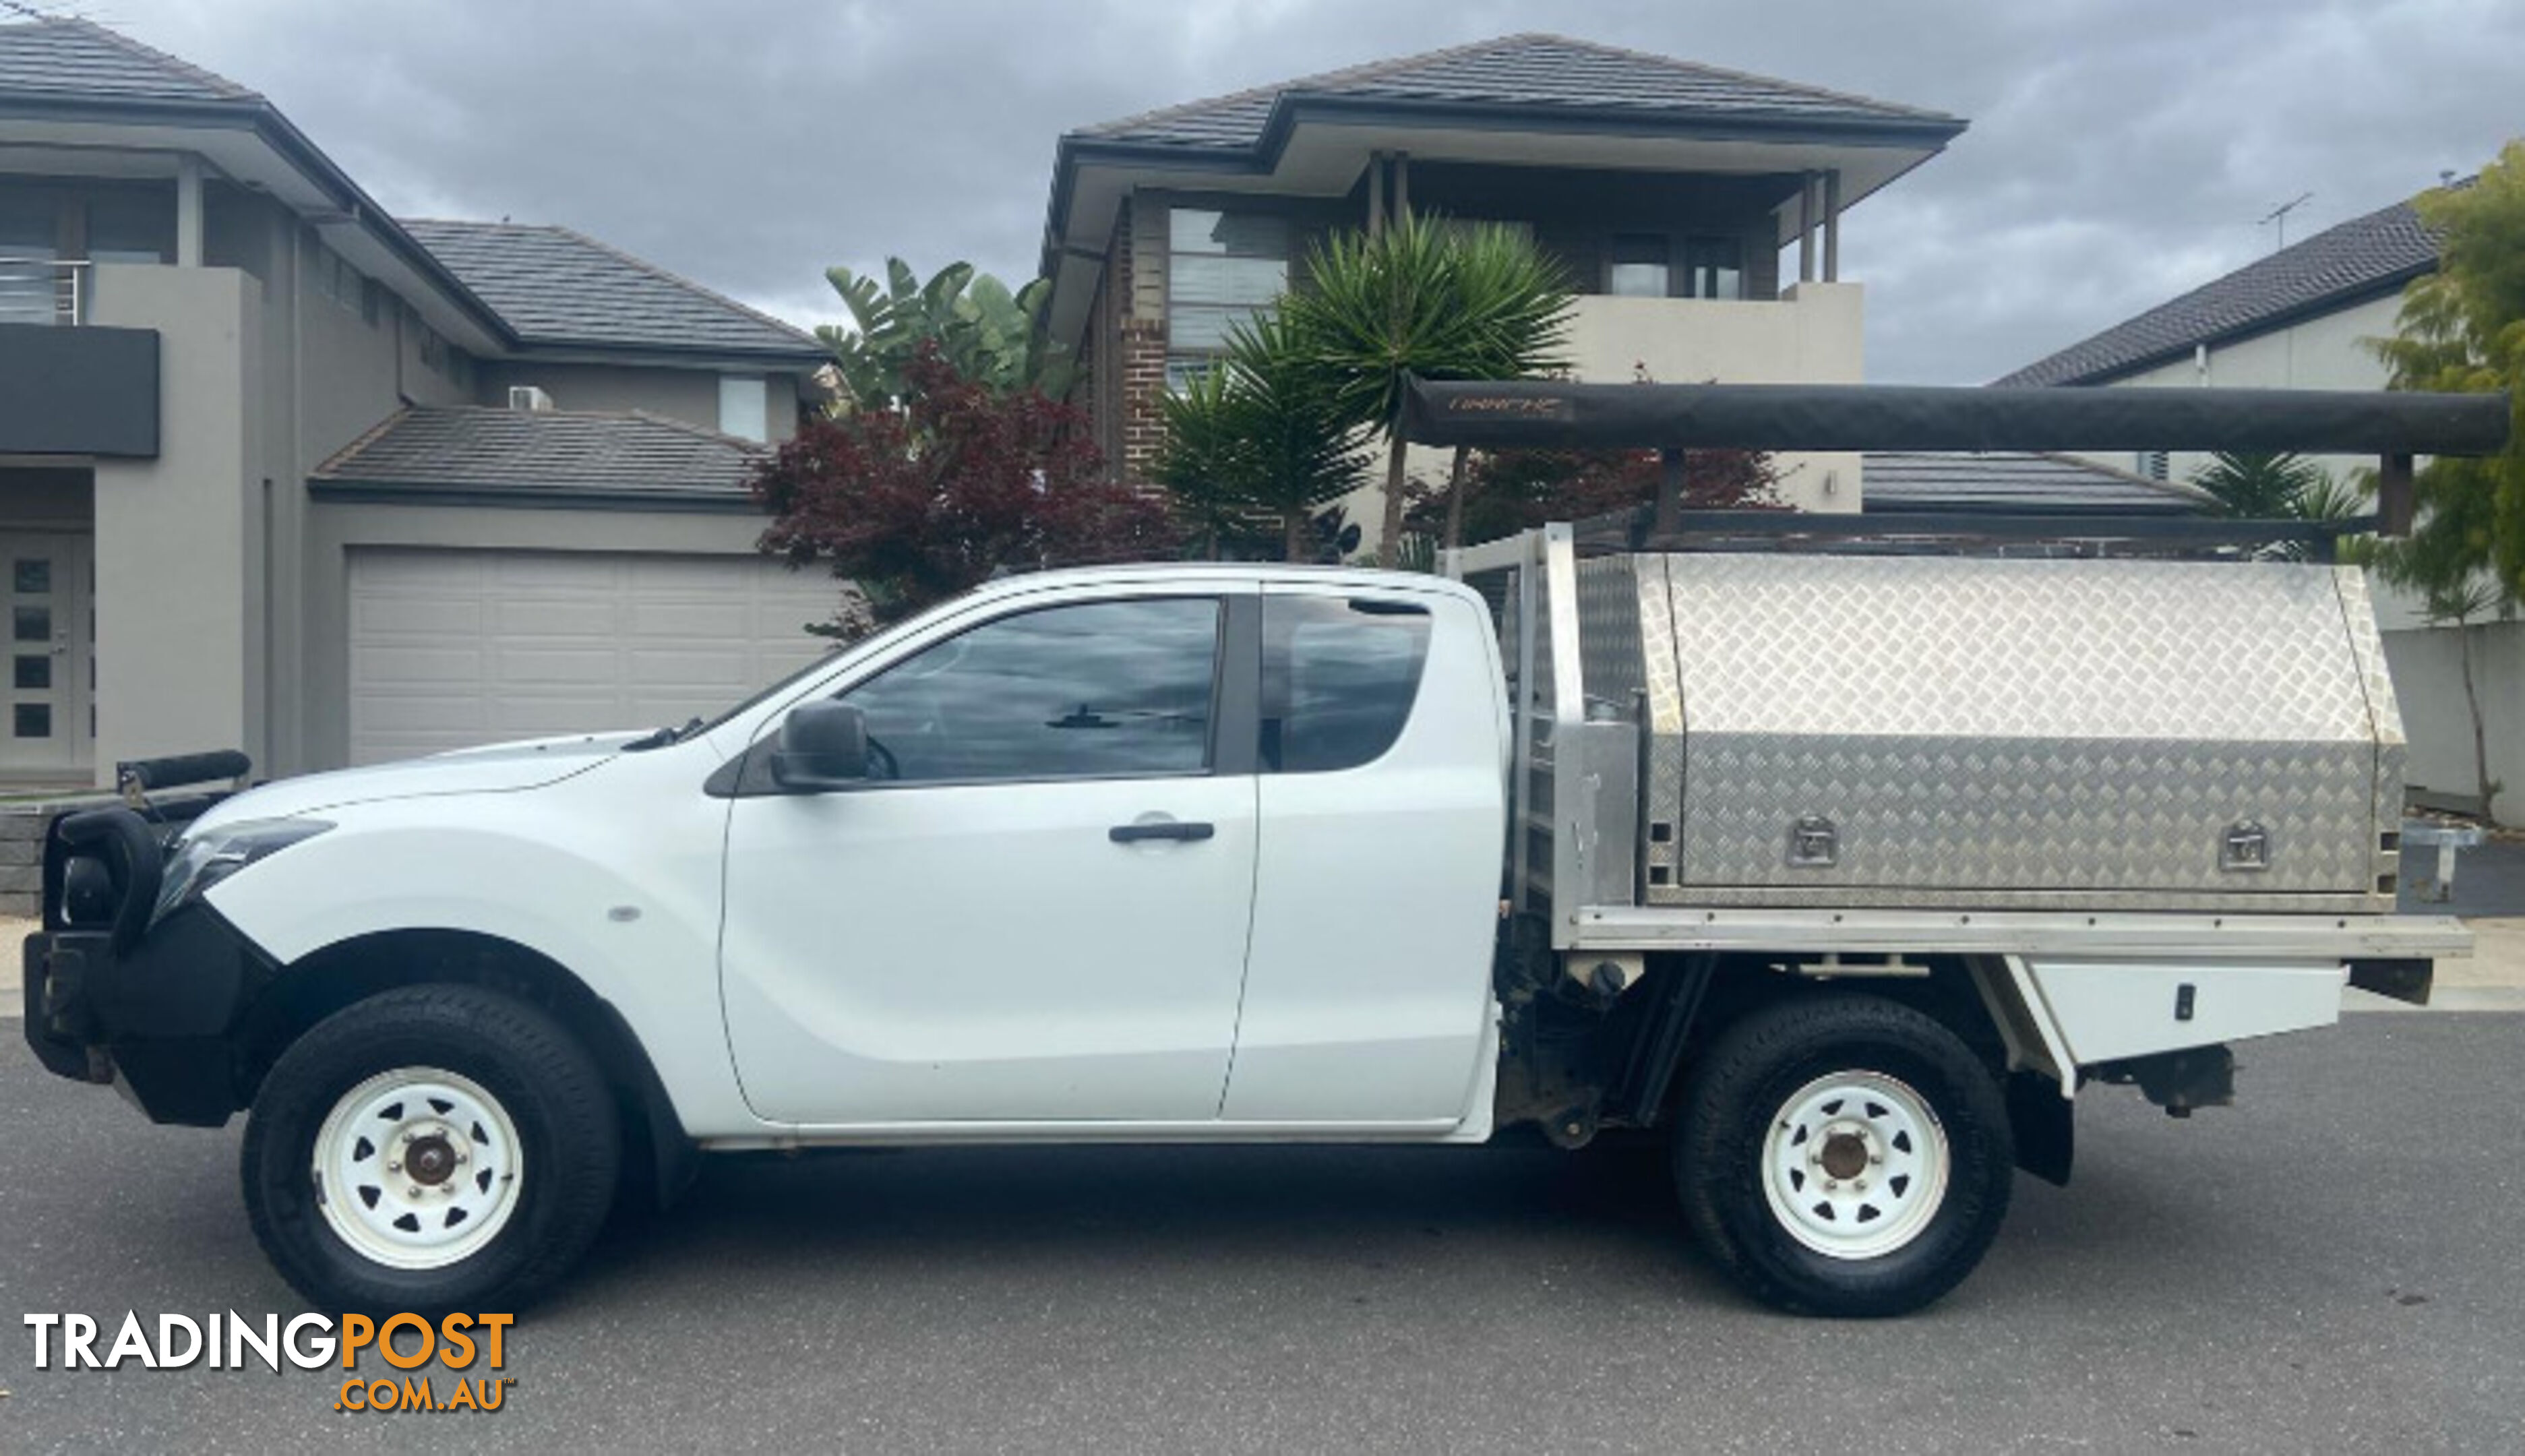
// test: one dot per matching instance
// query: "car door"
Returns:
(1367, 990)
(1036, 908)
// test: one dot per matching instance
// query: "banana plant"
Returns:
(989, 334)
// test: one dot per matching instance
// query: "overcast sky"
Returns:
(2119, 153)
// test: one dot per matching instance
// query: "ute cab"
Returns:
(1134, 853)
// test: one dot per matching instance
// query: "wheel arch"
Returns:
(346, 971)
(1979, 998)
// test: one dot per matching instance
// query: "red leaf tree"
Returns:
(919, 503)
(1506, 491)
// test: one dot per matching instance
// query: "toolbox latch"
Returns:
(2245, 846)
(1814, 843)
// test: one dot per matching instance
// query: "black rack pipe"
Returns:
(1543, 414)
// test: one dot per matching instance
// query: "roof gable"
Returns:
(1532, 70)
(79, 58)
(2340, 265)
(556, 288)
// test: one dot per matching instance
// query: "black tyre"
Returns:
(1844, 1155)
(433, 1147)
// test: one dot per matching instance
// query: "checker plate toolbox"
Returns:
(1948, 732)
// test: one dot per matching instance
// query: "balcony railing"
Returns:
(42, 290)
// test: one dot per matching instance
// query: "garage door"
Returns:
(454, 648)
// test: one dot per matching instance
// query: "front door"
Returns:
(1038, 906)
(46, 731)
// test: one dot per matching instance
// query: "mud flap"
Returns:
(2045, 1124)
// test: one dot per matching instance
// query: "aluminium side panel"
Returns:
(2385, 718)
(1937, 730)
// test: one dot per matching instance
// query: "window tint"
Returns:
(1338, 680)
(1714, 267)
(1638, 266)
(1093, 690)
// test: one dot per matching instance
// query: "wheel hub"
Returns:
(1855, 1165)
(1843, 1152)
(432, 1160)
(417, 1168)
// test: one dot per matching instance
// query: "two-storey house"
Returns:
(281, 472)
(1696, 211)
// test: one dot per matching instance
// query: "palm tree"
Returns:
(1259, 433)
(1423, 298)
(2259, 485)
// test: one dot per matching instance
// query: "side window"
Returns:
(1338, 680)
(1100, 689)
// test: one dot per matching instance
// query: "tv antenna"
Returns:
(2278, 217)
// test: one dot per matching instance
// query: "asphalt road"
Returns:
(2332, 1265)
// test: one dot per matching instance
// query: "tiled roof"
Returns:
(617, 459)
(75, 57)
(1538, 71)
(2356, 259)
(554, 286)
(2012, 480)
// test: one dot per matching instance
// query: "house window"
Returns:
(129, 227)
(336, 279)
(1715, 267)
(744, 407)
(1638, 266)
(1221, 269)
(28, 282)
(437, 355)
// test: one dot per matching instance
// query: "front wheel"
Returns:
(433, 1147)
(1844, 1155)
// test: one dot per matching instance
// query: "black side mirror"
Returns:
(823, 745)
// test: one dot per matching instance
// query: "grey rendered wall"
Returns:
(181, 539)
(330, 372)
(337, 528)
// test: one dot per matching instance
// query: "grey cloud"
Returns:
(2119, 152)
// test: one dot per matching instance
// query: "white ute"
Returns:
(1261, 854)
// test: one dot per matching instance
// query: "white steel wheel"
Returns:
(418, 1168)
(1856, 1165)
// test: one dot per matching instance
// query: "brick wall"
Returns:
(22, 850)
(1129, 325)
(1143, 350)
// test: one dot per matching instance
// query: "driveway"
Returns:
(2328, 1265)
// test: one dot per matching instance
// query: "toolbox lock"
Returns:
(2245, 846)
(1814, 843)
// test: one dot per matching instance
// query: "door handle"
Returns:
(1187, 831)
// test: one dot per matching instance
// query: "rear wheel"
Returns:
(430, 1148)
(1844, 1155)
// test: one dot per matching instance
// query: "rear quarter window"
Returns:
(1339, 678)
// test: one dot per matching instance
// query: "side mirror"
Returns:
(822, 746)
